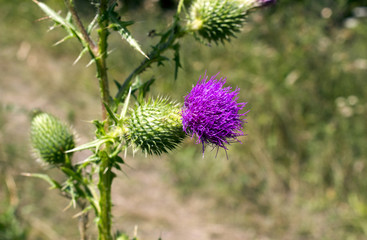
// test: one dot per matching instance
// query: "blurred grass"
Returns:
(300, 172)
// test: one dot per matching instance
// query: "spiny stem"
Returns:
(71, 6)
(102, 55)
(105, 172)
(104, 187)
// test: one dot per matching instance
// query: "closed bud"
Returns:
(155, 126)
(216, 20)
(51, 138)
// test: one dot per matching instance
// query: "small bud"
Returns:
(155, 126)
(216, 20)
(219, 20)
(51, 138)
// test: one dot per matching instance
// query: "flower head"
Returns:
(211, 112)
(216, 20)
(51, 138)
(155, 126)
(219, 20)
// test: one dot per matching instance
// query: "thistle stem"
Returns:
(102, 56)
(104, 187)
(105, 172)
(71, 6)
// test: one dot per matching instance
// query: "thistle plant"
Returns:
(154, 126)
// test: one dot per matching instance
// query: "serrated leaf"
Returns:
(58, 19)
(120, 27)
(176, 58)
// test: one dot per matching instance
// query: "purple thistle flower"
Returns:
(264, 3)
(257, 3)
(211, 112)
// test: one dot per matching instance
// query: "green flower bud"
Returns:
(216, 20)
(156, 126)
(51, 138)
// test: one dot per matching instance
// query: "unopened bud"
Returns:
(51, 138)
(216, 20)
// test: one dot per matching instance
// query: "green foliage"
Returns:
(10, 226)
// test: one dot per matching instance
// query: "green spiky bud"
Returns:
(156, 126)
(51, 138)
(216, 20)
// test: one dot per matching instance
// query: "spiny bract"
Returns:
(155, 126)
(216, 20)
(51, 138)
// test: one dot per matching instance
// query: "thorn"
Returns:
(26, 174)
(43, 18)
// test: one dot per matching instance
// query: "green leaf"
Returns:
(69, 172)
(91, 159)
(119, 160)
(126, 104)
(144, 88)
(52, 182)
(99, 128)
(120, 27)
(65, 23)
(176, 58)
(93, 144)
(110, 113)
(118, 85)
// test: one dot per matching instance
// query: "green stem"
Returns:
(104, 186)
(105, 173)
(102, 56)
(86, 38)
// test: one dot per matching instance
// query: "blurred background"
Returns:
(300, 172)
